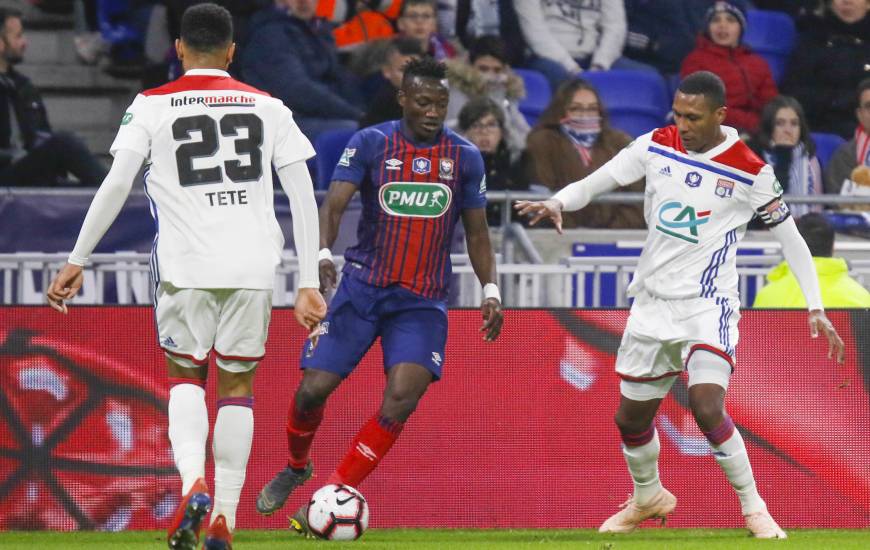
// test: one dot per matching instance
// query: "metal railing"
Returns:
(124, 278)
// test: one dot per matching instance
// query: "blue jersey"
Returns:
(412, 196)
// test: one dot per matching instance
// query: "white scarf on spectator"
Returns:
(802, 179)
(862, 146)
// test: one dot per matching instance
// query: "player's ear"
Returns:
(231, 53)
(721, 113)
(400, 97)
(179, 49)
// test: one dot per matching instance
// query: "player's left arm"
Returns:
(766, 198)
(483, 261)
(477, 239)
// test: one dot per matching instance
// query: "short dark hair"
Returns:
(818, 232)
(424, 67)
(7, 13)
(206, 27)
(488, 45)
(863, 86)
(404, 45)
(478, 108)
(706, 84)
(411, 3)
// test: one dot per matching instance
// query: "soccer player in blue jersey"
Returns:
(416, 179)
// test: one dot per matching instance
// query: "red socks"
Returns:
(301, 427)
(371, 443)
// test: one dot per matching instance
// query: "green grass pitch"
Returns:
(395, 539)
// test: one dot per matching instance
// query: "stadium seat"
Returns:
(826, 144)
(772, 35)
(329, 146)
(538, 94)
(635, 123)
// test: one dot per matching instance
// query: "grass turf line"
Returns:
(395, 539)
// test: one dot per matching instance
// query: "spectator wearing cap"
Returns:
(831, 57)
(853, 157)
(489, 75)
(749, 84)
(839, 290)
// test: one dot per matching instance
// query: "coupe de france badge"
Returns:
(421, 166)
(693, 179)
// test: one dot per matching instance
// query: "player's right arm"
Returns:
(130, 148)
(625, 168)
(350, 172)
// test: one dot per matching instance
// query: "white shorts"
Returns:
(234, 322)
(661, 335)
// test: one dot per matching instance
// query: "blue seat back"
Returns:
(538, 94)
(631, 91)
(772, 35)
(826, 144)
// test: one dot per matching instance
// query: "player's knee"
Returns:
(708, 413)
(628, 425)
(310, 396)
(399, 406)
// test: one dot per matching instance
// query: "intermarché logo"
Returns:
(686, 218)
(416, 200)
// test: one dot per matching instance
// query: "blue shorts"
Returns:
(413, 329)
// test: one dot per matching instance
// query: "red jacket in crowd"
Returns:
(748, 81)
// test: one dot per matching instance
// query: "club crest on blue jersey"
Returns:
(693, 179)
(445, 169)
(724, 188)
(421, 165)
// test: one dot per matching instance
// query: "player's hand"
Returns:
(538, 210)
(493, 318)
(819, 322)
(64, 286)
(328, 276)
(310, 308)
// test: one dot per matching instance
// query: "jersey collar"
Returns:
(207, 72)
(731, 137)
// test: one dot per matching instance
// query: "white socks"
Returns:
(731, 456)
(233, 433)
(188, 431)
(643, 463)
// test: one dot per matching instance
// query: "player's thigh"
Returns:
(346, 335)
(417, 335)
(243, 326)
(187, 321)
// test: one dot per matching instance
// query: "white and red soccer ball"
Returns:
(338, 512)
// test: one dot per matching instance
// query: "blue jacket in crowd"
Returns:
(296, 61)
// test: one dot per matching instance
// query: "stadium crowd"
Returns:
(544, 107)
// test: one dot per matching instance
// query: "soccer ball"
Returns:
(338, 512)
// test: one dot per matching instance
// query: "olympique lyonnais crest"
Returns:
(724, 188)
(421, 166)
(445, 169)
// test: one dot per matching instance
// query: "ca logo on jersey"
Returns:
(680, 221)
(415, 200)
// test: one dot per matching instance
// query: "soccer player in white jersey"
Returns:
(702, 186)
(209, 144)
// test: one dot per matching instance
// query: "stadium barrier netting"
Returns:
(519, 433)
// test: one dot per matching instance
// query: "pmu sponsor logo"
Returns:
(415, 200)
(213, 101)
(681, 221)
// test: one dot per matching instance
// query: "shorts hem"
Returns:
(200, 362)
(238, 357)
(629, 378)
(712, 349)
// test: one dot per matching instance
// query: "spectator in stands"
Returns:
(418, 20)
(31, 154)
(748, 81)
(468, 20)
(663, 32)
(482, 121)
(855, 153)
(832, 56)
(784, 142)
(571, 140)
(838, 289)
(385, 104)
(489, 75)
(567, 38)
(367, 24)
(291, 55)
